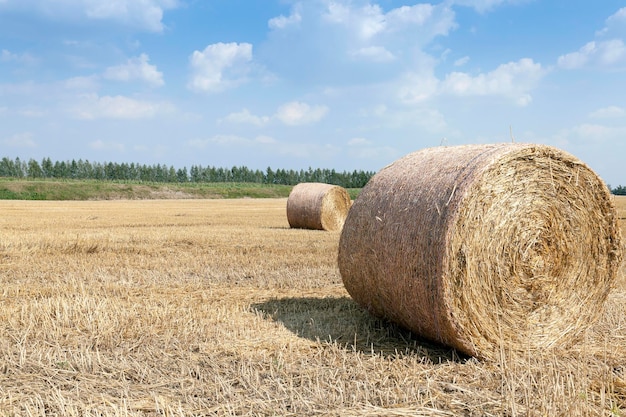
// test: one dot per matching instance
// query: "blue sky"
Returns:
(344, 84)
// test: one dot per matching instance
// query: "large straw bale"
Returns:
(317, 206)
(484, 247)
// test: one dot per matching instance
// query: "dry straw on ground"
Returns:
(317, 206)
(217, 308)
(484, 248)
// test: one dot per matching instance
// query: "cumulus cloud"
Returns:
(615, 24)
(360, 142)
(281, 22)
(374, 54)
(369, 21)
(591, 134)
(605, 54)
(610, 112)
(86, 83)
(335, 41)
(483, 6)
(514, 80)
(298, 113)
(461, 61)
(365, 21)
(416, 87)
(245, 117)
(266, 140)
(136, 69)
(220, 66)
(23, 58)
(32, 112)
(141, 14)
(294, 113)
(118, 107)
(608, 51)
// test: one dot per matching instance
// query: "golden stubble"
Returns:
(217, 307)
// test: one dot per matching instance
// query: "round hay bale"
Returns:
(484, 247)
(317, 206)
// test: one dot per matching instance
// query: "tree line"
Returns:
(112, 171)
(619, 190)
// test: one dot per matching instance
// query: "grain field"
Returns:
(218, 308)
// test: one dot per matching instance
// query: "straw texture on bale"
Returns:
(484, 247)
(317, 206)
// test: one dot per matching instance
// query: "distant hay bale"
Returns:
(317, 206)
(484, 247)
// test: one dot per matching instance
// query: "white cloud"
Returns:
(298, 113)
(24, 58)
(20, 140)
(136, 69)
(266, 140)
(22, 89)
(461, 61)
(118, 107)
(220, 66)
(245, 117)
(359, 142)
(615, 24)
(100, 145)
(281, 22)
(87, 83)
(365, 21)
(32, 112)
(369, 21)
(294, 113)
(514, 80)
(577, 59)
(429, 120)
(374, 54)
(141, 14)
(418, 87)
(591, 134)
(403, 117)
(611, 112)
(344, 42)
(484, 5)
(605, 54)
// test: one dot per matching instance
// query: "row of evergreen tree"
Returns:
(112, 171)
(619, 190)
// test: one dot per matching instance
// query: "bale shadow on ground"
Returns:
(340, 320)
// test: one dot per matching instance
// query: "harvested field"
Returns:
(217, 307)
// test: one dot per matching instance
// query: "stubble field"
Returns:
(216, 307)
